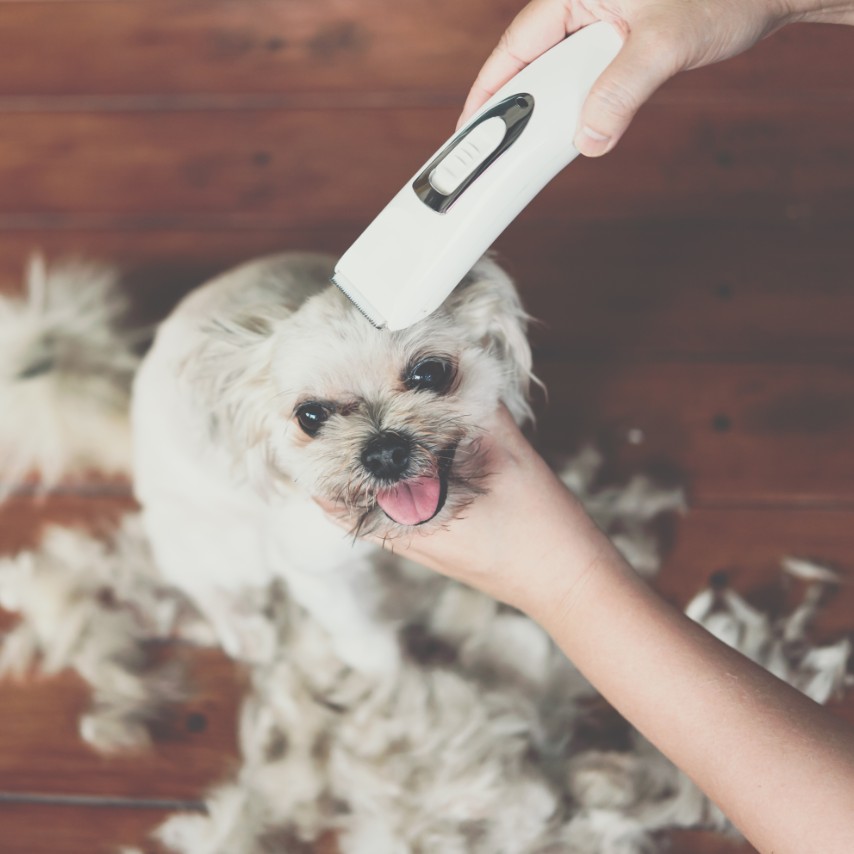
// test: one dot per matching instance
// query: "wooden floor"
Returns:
(695, 290)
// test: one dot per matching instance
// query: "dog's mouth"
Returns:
(418, 499)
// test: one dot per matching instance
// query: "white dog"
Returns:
(266, 387)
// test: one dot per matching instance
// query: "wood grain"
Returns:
(23, 518)
(696, 287)
(200, 47)
(669, 289)
(297, 168)
(40, 747)
(705, 842)
(52, 828)
(194, 744)
(747, 545)
(743, 433)
(739, 433)
(163, 46)
(685, 291)
(49, 828)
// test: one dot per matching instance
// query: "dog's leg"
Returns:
(214, 556)
(243, 632)
(335, 580)
(338, 599)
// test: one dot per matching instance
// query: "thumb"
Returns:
(636, 72)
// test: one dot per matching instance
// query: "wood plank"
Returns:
(610, 290)
(94, 506)
(748, 544)
(73, 829)
(23, 518)
(163, 46)
(259, 47)
(41, 751)
(80, 829)
(705, 842)
(680, 290)
(739, 433)
(160, 266)
(50, 752)
(304, 168)
(40, 747)
(742, 432)
(38, 829)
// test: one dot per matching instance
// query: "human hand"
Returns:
(527, 541)
(661, 38)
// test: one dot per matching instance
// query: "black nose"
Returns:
(387, 455)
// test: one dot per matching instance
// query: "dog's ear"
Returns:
(229, 372)
(487, 304)
(230, 377)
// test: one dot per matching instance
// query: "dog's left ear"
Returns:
(487, 304)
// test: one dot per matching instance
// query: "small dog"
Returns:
(265, 388)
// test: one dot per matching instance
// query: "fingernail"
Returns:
(592, 143)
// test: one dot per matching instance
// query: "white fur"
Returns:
(476, 744)
(225, 475)
(90, 605)
(65, 374)
(477, 753)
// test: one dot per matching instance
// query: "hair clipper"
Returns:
(432, 232)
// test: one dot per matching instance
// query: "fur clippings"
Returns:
(486, 738)
(471, 749)
(92, 606)
(66, 366)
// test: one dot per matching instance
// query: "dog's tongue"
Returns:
(411, 502)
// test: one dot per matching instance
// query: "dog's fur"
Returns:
(478, 744)
(226, 473)
(66, 364)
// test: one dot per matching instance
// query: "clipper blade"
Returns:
(347, 288)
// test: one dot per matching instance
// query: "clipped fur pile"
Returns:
(486, 743)
(490, 741)
(65, 371)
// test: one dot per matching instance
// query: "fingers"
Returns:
(538, 27)
(638, 70)
(647, 59)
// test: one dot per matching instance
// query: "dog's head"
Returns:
(386, 422)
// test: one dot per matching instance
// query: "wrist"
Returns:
(565, 551)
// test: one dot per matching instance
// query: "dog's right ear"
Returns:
(488, 305)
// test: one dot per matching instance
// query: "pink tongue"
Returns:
(411, 502)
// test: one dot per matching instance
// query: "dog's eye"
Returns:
(430, 375)
(311, 417)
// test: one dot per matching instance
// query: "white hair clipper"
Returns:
(434, 230)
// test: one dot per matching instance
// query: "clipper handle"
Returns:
(434, 230)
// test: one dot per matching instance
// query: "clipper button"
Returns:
(467, 155)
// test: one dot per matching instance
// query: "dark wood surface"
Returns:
(695, 289)
(215, 48)
(288, 168)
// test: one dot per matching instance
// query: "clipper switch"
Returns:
(464, 158)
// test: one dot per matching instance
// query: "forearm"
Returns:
(779, 765)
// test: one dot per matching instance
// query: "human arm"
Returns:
(780, 766)
(661, 38)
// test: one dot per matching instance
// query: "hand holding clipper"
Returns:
(433, 231)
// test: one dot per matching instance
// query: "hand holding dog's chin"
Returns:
(527, 541)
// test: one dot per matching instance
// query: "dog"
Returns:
(265, 389)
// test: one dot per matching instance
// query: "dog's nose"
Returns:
(387, 455)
